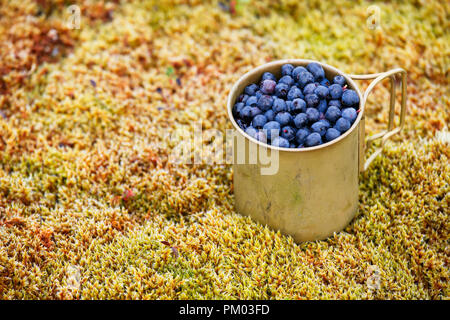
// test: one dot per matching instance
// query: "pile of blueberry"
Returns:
(301, 109)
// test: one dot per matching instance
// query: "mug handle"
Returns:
(386, 134)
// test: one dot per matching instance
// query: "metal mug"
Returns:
(315, 191)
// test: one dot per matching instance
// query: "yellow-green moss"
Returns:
(91, 208)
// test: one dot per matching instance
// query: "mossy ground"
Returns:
(90, 207)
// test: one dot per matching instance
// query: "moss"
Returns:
(90, 206)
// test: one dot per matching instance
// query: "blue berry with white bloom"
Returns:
(286, 80)
(314, 139)
(286, 69)
(251, 131)
(280, 142)
(251, 89)
(332, 134)
(281, 90)
(335, 91)
(335, 103)
(313, 115)
(319, 127)
(265, 102)
(259, 121)
(333, 113)
(298, 105)
(301, 135)
(304, 78)
(237, 108)
(340, 80)
(321, 92)
(322, 107)
(251, 101)
(349, 114)
(271, 127)
(350, 98)
(279, 105)
(309, 88)
(296, 73)
(268, 86)
(294, 93)
(268, 76)
(342, 125)
(270, 115)
(316, 70)
(312, 100)
(283, 118)
(288, 133)
(301, 120)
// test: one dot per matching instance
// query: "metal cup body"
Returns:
(314, 192)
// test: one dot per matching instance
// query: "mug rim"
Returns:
(295, 62)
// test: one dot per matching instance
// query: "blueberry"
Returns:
(301, 135)
(251, 89)
(289, 106)
(237, 108)
(258, 94)
(283, 118)
(312, 100)
(252, 101)
(280, 142)
(254, 111)
(342, 125)
(294, 93)
(268, 76)
(241, 124)
(281, 90)
(322, 107)
(322, 92)
(349, 114)
(265, 102)
(298, 105)
(261, 136)
(296, 73)
(292, 145)
(288, 133)
(259, 121)
(336, 103)
(251, 131)
(243, 98)
(272, 127)
(350, 98)
(286, 80)
(313, 115)
(316, 70)
(286, 69)
(309, 88)
(333, 113)
(268, 86)
(246, 113)
(325, 83)
(279, 105)
(304, 78)
(313, 139)
(335, 91)
(319, 127)
(332, 134)
(340, 80)
(326, 123)
(301, 120)
(270, 115)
